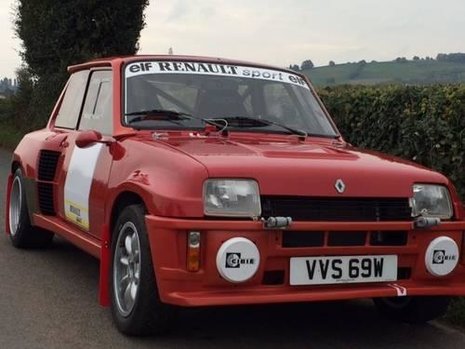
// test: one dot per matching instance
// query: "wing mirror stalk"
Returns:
(90, 137)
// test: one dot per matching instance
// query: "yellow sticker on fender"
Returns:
(75, 214)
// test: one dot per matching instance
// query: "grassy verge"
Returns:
(9, 136)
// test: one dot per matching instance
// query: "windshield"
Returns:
(220, 92)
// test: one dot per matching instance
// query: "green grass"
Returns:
(9, 135)
(410, 72)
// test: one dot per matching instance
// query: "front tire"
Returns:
(135, 304)
(414, 310)
(22, 233)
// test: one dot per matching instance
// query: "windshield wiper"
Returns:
(246, 121)
(157, 114)
(169, 115)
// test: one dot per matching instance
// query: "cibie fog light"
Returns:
(231, 197)
(431, 201)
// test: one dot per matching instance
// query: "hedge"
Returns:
(425, 124)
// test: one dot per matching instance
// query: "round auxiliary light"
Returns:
(238, 259)
(442, 256)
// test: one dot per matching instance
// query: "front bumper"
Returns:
(168, 240)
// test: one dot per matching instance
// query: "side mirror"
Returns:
(90, 137)
(86, 138)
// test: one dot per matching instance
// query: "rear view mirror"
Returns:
(86, 138)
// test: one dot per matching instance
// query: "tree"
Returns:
(294, 67)
(451, 57)
(56, 34)
(21, 100)
(307, 64)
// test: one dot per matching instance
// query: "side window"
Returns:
(72, 100)
(97, 113)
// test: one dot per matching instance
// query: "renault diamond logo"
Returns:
(340, 186)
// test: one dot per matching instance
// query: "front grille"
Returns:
(296, 239)
(343, 238)
(303, 239)
(48, 161)
(337, 209)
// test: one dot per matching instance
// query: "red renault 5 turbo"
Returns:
(204, 181)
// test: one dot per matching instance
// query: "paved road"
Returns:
(48, 299)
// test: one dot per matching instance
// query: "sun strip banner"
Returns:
(162, 67)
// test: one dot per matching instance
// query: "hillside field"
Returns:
(408, 72)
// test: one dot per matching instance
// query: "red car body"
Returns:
(166, 171)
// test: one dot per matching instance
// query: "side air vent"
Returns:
(48, 161)
(45, 191)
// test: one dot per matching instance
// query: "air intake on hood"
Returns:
(337, 209)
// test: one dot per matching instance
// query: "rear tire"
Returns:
(135, 304)
(22, 233)
(414, 310)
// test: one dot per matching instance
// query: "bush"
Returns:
(10, 134)
(5, 108)
(425, 124)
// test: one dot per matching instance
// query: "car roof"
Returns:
(110, 61)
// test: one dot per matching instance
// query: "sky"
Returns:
(284, 32)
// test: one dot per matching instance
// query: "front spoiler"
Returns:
(315, 294)
(207, 288)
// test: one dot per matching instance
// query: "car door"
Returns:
(49, 148)
(82, 187)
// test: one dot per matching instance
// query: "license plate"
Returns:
(342, 269)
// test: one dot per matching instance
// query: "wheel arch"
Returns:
(122, 200)
(15, 164)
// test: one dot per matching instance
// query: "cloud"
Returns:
(283, 32)
(9, 54)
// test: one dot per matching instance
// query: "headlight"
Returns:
(231, 197)
(431, 201)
